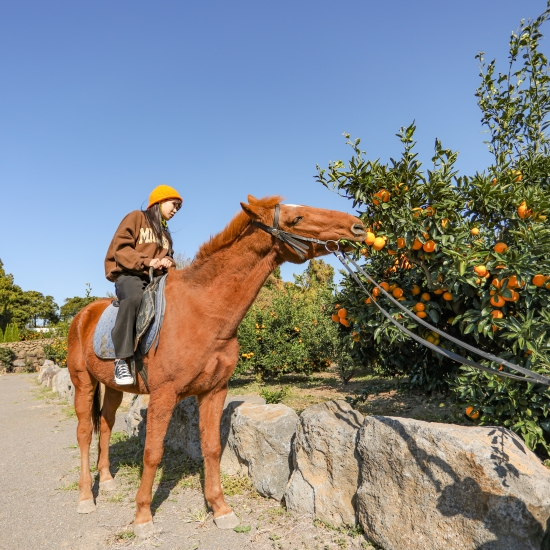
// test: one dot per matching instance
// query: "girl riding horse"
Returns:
(141, 241)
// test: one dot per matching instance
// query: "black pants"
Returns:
(129, 291)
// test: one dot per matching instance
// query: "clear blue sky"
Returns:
(101, 101)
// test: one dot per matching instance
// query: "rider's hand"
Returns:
(166, 262)
(155, 263)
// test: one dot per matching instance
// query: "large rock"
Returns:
(63, 385)
(48, 372)
(136, 415)
(434, 486)
(326, 463)
(260, 437)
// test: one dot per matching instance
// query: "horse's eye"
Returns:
(296, 220)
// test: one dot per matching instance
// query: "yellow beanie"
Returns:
(163, 193)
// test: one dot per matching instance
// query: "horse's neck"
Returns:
(232, 277)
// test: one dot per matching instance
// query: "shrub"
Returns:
(469, 254)
(57, 351)
(287, 329)
(7, 355)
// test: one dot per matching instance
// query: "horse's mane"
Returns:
(234, 228)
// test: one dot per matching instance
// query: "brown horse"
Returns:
(198, 348)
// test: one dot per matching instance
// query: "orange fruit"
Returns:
(335, 318)
(447, 296)
(496, 283)
(429, 211)
(444, 222)
(397, 292)
(364, 251)
(417, 212)
(368, 301)
(429, 246)
(439, 291)
(370, 238)
(415, 290)
(342, 313)
(422, 314)
(493, 182)
(379, 243)
(480, 270)
(500, 248)
(474, 415)
(497, 301)
(547, 286)
(474, 231)
(400, 242)
(417, 245)
(375, 291)
(524, 211)
(518, 175)
(425, 297)
(392, 252)
(538, 280)
(419, 306)
(497, 314)
(385, 285)
(513, 282)
(513, 298)
(345, 322)
(383, 195)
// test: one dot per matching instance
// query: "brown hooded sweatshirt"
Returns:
(133, 247)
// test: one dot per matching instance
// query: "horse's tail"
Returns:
(96, 409)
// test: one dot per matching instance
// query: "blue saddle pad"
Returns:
(103, 342)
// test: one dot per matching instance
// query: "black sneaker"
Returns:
(123, 376)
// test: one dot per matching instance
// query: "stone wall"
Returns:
(29, 354)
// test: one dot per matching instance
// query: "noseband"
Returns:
(291, 239)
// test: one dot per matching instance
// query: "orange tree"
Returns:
(469, 254)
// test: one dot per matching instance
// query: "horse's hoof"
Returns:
(228, 521)
(144, 530)
(109, 485)
(86, 506)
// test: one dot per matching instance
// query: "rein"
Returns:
(296, 242)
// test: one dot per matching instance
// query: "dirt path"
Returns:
(38, 473)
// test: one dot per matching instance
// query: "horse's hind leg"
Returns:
(111, 402)
(86, 399)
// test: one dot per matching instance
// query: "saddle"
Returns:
(148, 325)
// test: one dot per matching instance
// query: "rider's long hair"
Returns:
(160, 230)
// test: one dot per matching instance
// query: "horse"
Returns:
(198, 349)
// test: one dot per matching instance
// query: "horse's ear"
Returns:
(252, 210)
(252, 199)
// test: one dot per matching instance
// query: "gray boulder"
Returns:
(433, 486)
(48, 374)
(63, 385)
(260, 438)
(136, 415)
(326, 463)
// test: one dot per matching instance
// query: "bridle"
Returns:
(291, 239)
(296, 243)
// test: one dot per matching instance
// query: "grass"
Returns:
(70, 486)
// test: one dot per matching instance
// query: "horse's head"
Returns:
(306, 221)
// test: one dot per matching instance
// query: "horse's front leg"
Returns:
(210, 415)
(111, 402)
(159, 413)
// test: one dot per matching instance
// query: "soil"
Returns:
(39, 461)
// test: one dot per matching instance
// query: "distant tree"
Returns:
(73, 305)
